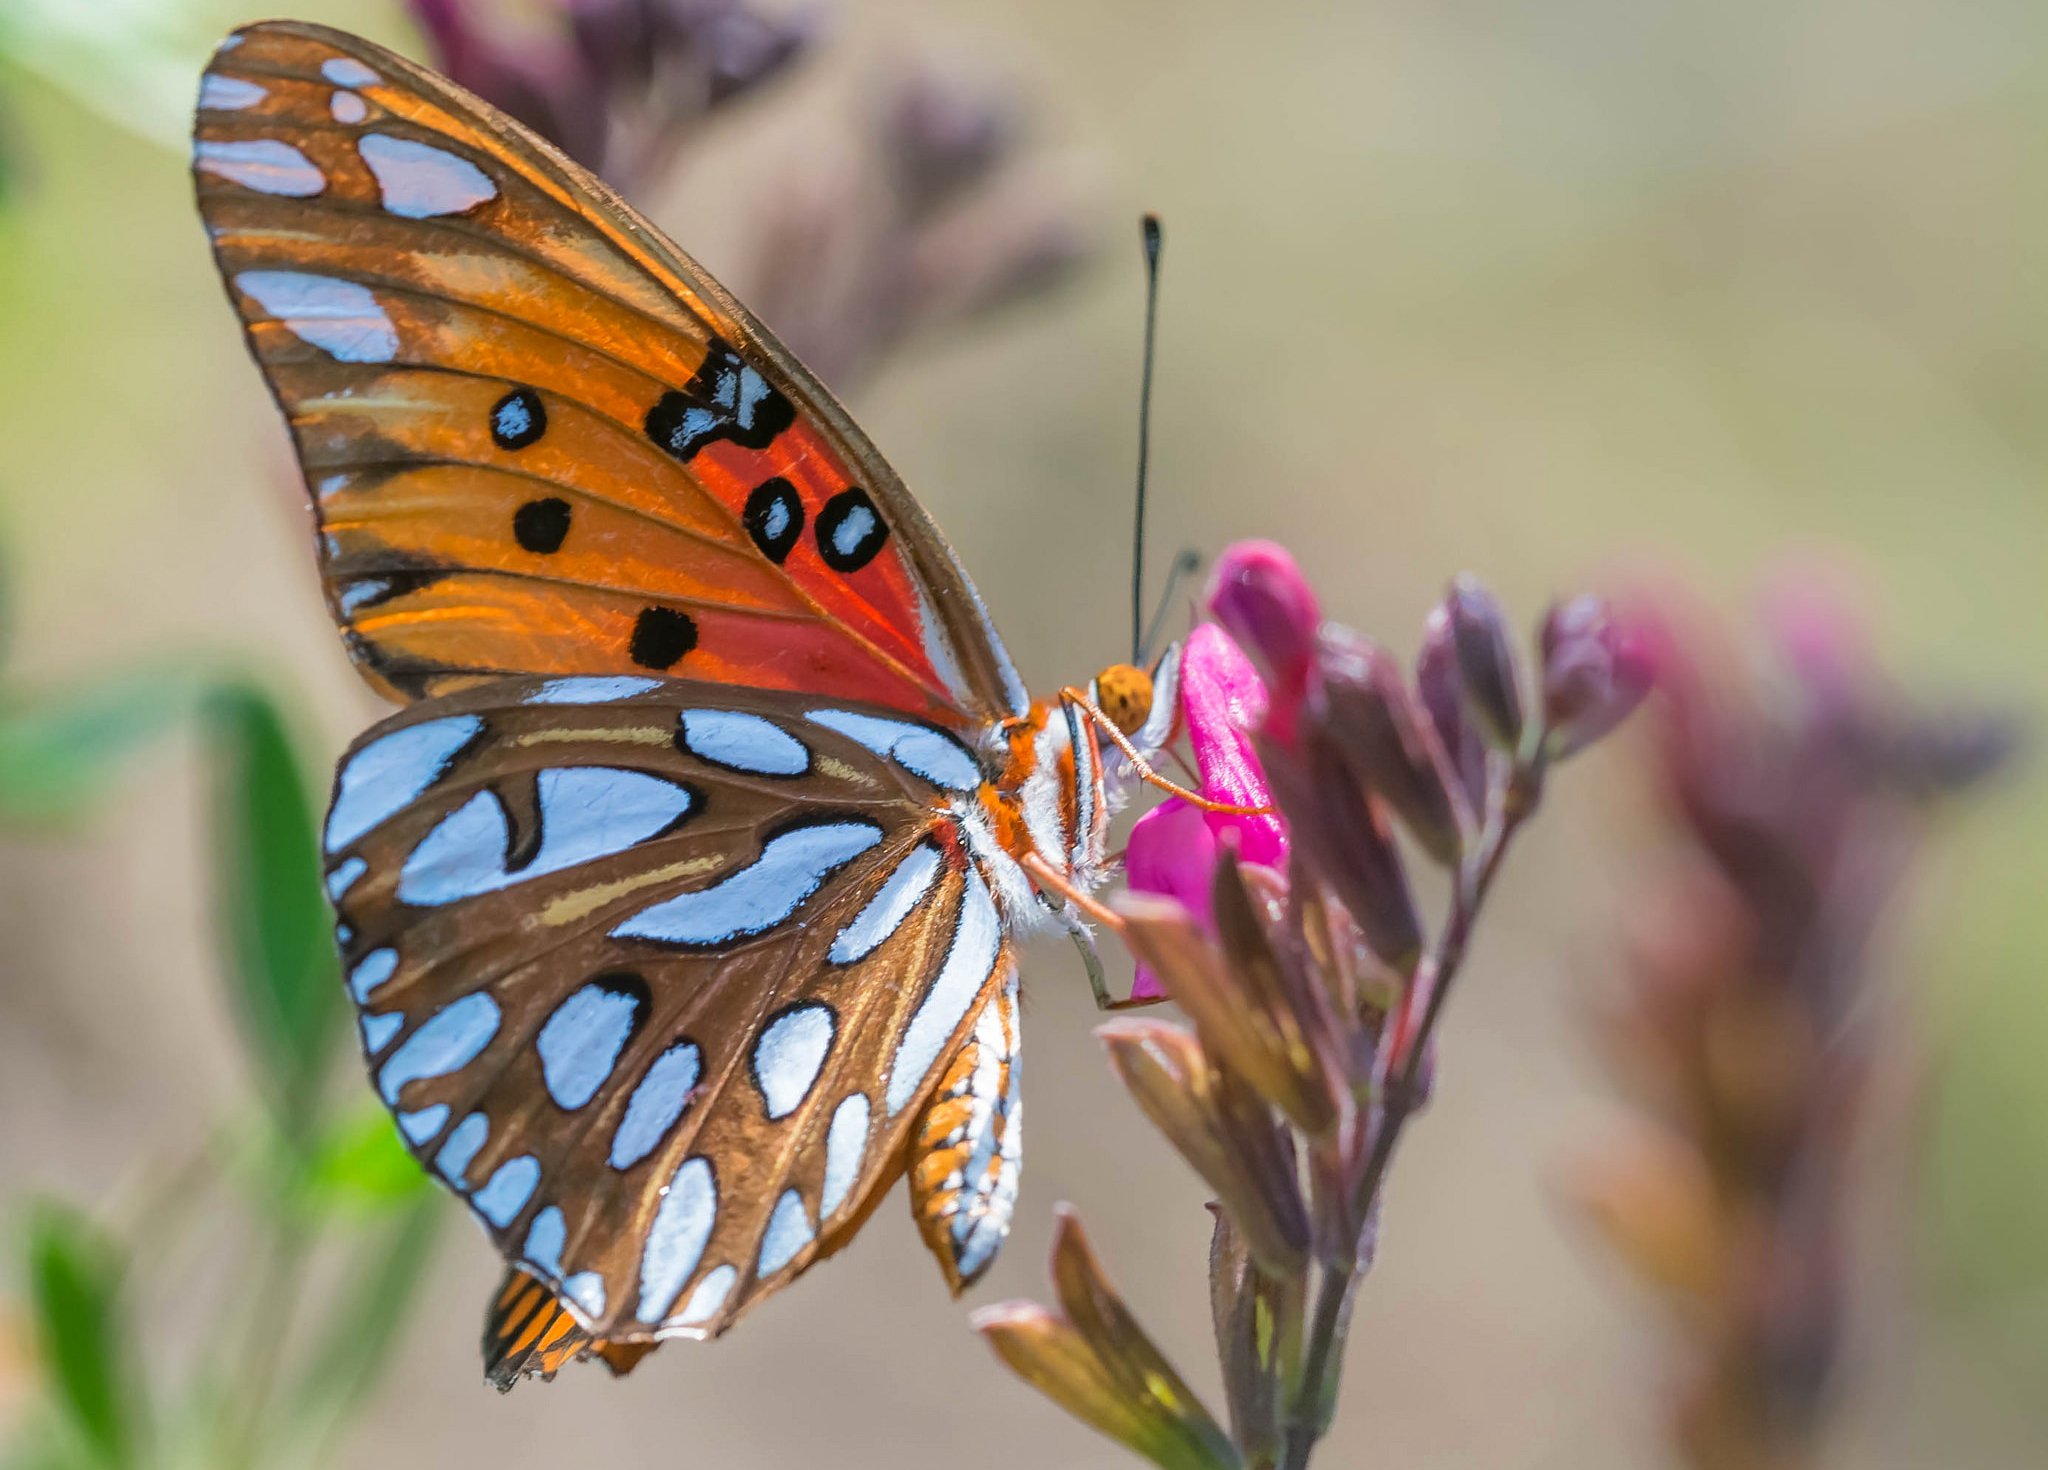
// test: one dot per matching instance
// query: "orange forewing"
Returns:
(472, 262)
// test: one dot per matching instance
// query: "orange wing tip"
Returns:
(531, 1334)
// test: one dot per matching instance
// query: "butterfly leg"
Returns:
(1068, 903)
(1091, 961)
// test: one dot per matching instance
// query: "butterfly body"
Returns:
(680, 902)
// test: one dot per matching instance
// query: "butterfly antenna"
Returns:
(1150, 226)
(1183, 565)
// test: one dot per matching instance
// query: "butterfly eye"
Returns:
(1124, 693)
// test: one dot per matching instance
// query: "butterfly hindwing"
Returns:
(666, 1030)
(537, 437)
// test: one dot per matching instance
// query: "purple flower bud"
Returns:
(1344, 842)
(1595, 672)
(1262, 600)
(1363, 705)
(943, 137)
(1442, 691)
(1486, 663)
(744, 47)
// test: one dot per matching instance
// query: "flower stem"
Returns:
(1400, 1095)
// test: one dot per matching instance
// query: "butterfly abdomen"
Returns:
(969, 1147)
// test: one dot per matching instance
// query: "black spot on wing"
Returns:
(774, 517)
(541, 526)
(518, 419)
(724, 399)
(661, 636)
(851, 532)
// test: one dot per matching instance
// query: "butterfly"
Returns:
(680, 902)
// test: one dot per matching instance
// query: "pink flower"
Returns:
(1259, 595)
(1173, 847)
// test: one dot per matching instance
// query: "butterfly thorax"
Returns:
(1056, 792)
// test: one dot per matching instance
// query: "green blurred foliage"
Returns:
(60, 751)
(74, 1277)
(277, 930)
(357, 1166)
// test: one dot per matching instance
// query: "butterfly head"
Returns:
(1124, 693)
(1142, 703)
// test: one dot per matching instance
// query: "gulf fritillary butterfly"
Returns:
(680, 903)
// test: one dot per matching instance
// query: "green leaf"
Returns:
(359, 1165)
(74, 1284)
(58, 750)
(275, 923)
(376, 1297)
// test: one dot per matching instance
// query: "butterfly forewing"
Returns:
(665, 1026)
(538, 438)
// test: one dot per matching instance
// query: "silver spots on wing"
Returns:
(420, 181)
(228, 94)
(460, 1147)
(894, 901)
(362, 592)
(343, 876)
(446, 1041)
(266, 165)
(586, 812)
(656, 1104)
(590, 689)
(545, 1238)
(790, 1054)
(370, 973)
(387, 775)
(792, 866)
(426, 1124)
(676, 1240)
(709, 1296)
(789, 1231)
(922, 750)
(743, 742)
(580, 1042)
(347, 108)
(586, 1290)
(977, 943)
(508, 1189)
(846, 1143)
(346, 71)
(342, 318)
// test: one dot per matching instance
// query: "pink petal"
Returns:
(1223, 701)
(1171, 851)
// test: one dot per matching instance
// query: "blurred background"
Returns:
(1584, 294)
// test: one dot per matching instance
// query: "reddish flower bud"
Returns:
(1595, 672)
(1363, 705)
(1261, 598)
(1486, 663)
